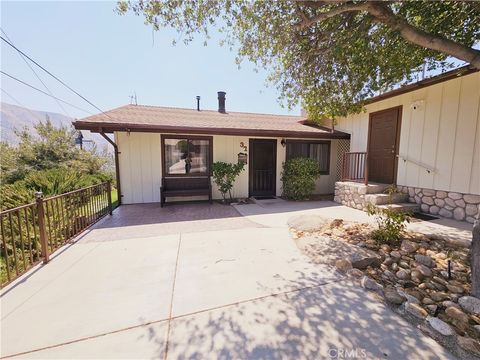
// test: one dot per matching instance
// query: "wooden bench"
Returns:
(185, 186)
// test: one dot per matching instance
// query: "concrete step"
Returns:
(407, 207)
(374, 188)
(382, 199)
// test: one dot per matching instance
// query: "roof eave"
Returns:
(112, 127)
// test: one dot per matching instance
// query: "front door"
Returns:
(383, 141)
(262, 167)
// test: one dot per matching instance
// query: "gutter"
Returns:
(117, 166)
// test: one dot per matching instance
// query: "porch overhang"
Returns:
(111, 127)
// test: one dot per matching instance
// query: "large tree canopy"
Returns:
(331, 54)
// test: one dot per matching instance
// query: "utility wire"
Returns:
(38, 77)
(43, 92)
(20, 104)
(56, 78)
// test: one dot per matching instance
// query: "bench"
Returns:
(185, 186)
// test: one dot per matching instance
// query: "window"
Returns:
(317, 150)
(186, 155)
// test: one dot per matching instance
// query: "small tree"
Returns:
(299, 176)
(224, 175)
(391, 224)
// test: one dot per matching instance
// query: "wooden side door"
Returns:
(383, 143)
(262, 167)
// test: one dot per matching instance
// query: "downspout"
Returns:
(117, 167)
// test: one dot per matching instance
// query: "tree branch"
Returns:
(347, 7)
(383, 14)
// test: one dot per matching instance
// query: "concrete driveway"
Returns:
(198, 281)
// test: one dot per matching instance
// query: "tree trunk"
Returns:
(475, 259)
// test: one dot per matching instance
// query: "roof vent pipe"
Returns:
(221, 101)
(198, 103)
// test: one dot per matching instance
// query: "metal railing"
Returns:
(32, 232)
(427, 168)
(355, 167)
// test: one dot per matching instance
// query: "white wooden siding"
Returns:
(444, 134)
(141, 170)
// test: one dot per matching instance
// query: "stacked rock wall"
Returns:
(454, 205)
(350, 194)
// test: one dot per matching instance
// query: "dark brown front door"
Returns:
(383, 139)
(262, 168)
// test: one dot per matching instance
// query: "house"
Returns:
(163, 143)
(425, 139)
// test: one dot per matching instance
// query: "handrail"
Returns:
(429, 169)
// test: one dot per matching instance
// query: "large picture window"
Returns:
(316, 150)
(186, 155)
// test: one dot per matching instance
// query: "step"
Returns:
(382, 199)
(373, 188)
(407, 207)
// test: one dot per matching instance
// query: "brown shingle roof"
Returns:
(177, 120)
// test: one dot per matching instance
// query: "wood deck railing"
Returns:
(355, 167)
(32, 232)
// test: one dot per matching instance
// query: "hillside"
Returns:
(17, 117)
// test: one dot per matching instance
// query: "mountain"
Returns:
(16, 117)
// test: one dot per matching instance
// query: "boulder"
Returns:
(470, 304)
(307, 222)
(363, 259)
(455, 289)
(409, 246)
(403, 274)
(456, 314)
(396, 254)
(355, 273)
(415, 310)
(440, 326)
(393, 297)
(425, 260)
(343, 265)
(425, 271)
(438, 296)
(370, 284)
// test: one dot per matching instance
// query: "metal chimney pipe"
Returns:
(221, 101)
(198, 103)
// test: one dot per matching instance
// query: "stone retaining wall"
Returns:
(458, 206)
(350, 194)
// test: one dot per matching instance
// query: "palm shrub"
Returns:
(224, 175)
(298, 177)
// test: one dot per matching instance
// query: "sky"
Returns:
(107, 58)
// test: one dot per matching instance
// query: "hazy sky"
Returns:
(106, 57)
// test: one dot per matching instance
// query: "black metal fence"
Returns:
(32, 232)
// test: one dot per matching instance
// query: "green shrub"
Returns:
(298, 177)
(391, 224)
(224, 175)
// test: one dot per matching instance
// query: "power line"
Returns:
(38, 77)
(56, 78)
(20, 104)
(43, 92)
